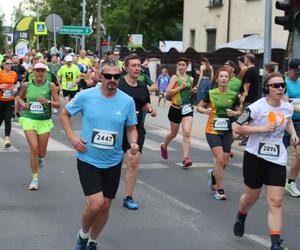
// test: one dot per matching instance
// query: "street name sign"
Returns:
(75, 30)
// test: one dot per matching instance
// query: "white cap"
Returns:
(68, 58)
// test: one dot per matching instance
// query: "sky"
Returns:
(7, 8)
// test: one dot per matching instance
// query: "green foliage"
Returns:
(2, 36)
(155, 19)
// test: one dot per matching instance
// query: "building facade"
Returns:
(210, 23)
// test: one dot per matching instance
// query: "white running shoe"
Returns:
(292, 189)
(34, 185)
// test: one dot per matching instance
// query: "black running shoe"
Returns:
(81, 243)
(239, 228)
(92, 246)
(279, 246)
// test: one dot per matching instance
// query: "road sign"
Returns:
(40, 28)
(76, 30)
(53, 22)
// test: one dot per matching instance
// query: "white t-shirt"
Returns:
(269, 145)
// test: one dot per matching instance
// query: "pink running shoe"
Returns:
(163, 152)
(187, 162)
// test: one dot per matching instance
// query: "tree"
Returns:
(155, 19)
(2, 36)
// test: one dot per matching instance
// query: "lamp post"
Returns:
(83, 23)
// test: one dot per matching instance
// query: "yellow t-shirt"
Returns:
(69, 76)
(86, 61)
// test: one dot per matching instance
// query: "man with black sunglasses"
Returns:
(293, 95)
(105, 111)
(139, 92)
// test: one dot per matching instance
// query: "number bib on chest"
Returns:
(70, 85)
(221, 124)
(268, 149)
(187, 108)
(7, 93)
(36, 108)
(104, 139)
(295, 102)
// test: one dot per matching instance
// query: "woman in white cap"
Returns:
(40, 95)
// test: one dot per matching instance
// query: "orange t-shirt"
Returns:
(10, 79)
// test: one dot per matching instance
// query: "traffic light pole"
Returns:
(268, 32)
(296, 47)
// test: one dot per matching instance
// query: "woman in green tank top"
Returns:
(40, 95)
(180, 89)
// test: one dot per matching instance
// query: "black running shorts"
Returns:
(224, 140)
(94, 180)
(257, 171)
(141, 139)
(175, 115)
(70, 93)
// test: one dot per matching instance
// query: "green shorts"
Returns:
(39, 126)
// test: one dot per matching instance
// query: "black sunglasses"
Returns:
(110, 76)
(277, 85)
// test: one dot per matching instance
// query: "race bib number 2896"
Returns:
(270, 150)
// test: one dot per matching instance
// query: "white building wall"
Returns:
(247, 17)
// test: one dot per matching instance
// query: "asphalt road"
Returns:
(177, 211)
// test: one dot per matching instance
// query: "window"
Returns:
(215, 3)
(192, 38)
(211, 39)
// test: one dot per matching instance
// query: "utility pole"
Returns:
(268, 31)
(38, 19)
(83, 23)
(98, 31)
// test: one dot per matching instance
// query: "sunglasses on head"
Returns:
(277, 85)
(110, 76)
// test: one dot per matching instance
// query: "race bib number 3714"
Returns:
(104, 139)
(221, 124)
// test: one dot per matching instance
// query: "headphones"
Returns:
(266, 89)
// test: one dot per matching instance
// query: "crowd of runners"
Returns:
(113, 98)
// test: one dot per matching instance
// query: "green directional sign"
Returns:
(75, 30)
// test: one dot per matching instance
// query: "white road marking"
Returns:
(198, 144)
(149, 166)
(198, 165)
(170, 198)
(11, 149)
(258, 239)
(53, 145)
(155, 146)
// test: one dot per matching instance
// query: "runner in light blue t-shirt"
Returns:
(106, 123)
(105, 111)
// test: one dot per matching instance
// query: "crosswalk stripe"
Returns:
(53, 145)
(11, 149)
(150, 166)
(209, 165)
(155, 146)
(194, 143)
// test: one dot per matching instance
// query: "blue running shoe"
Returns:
(91, 246)
(130, 203)
(210, 181)
(81, 243)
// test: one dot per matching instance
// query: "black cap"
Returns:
(230, 63)
(295, 65)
